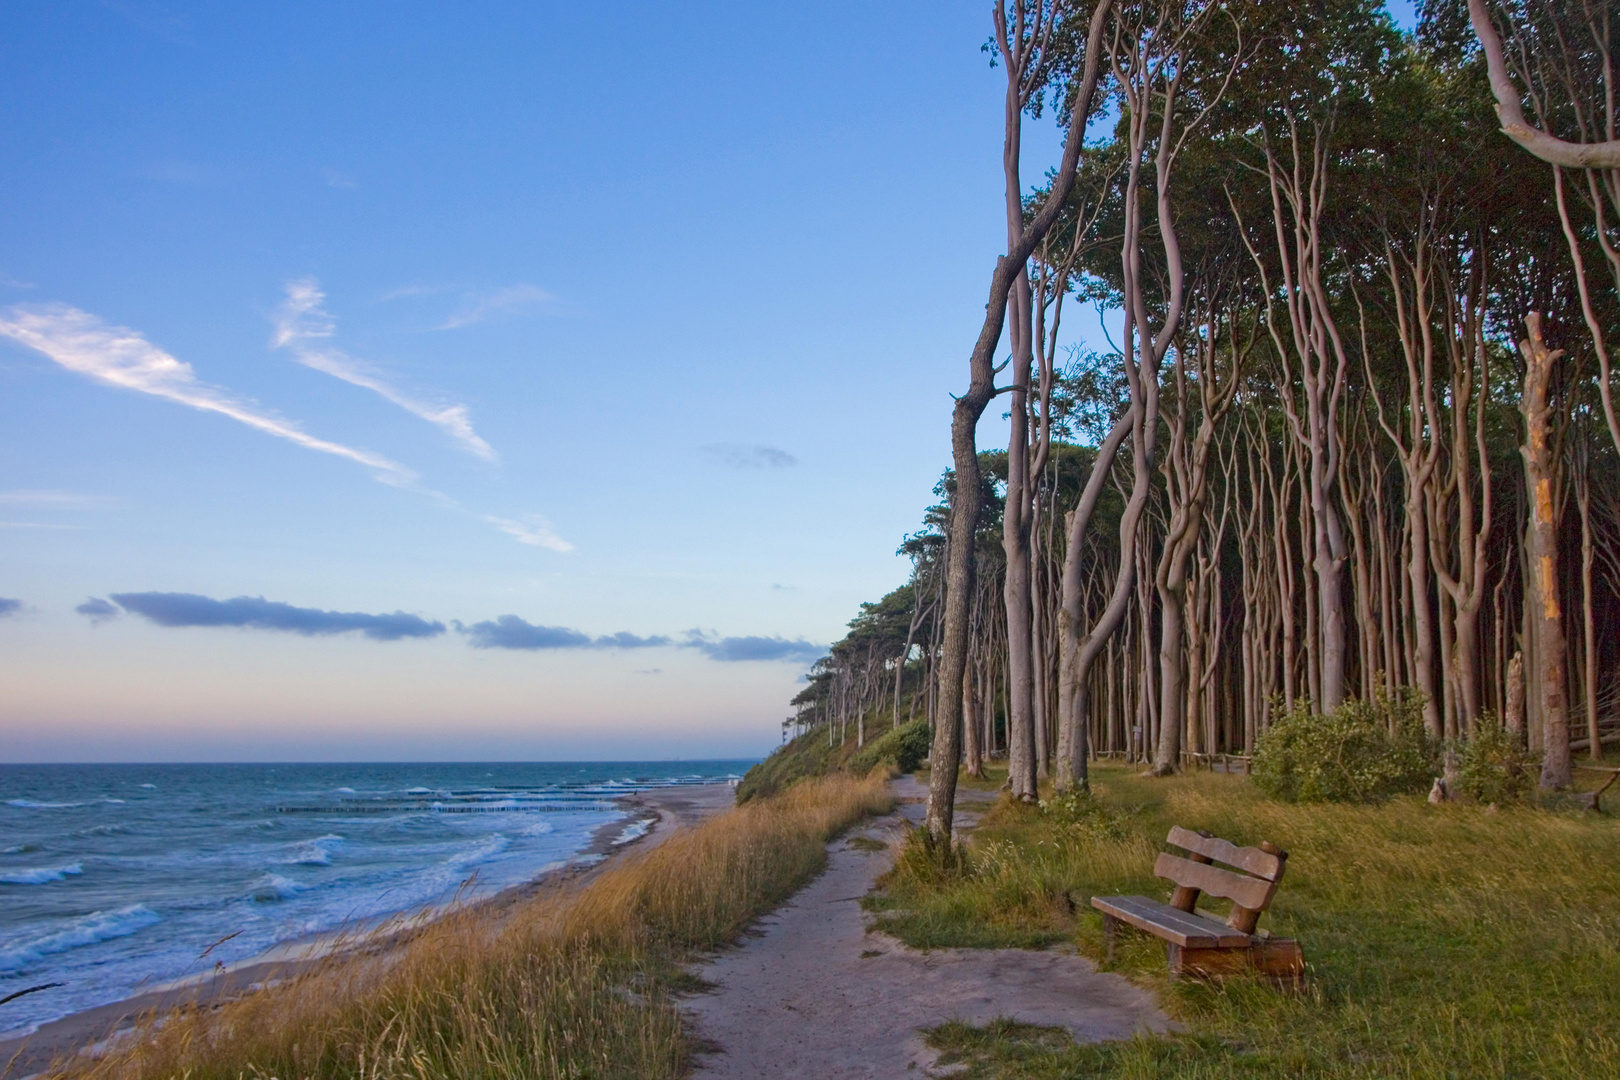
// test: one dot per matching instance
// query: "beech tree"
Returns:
(1353, 435)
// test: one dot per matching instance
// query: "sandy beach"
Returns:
(660, 810)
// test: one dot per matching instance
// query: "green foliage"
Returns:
(1493, 767)
(905, 747)
(1365, 751)
(1083, 814)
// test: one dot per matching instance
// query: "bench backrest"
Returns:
(1250, 886)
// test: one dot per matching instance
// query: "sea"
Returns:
(117, 878)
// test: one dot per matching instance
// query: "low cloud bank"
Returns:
(730, 649)
(255, 612)
(511, 632)
(97, 610)
(504, 632)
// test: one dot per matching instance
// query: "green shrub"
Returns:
(1493, 767)
(1365, 751)
(905, 747)
(1084, 816)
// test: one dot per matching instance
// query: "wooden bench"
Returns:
(1196, 944)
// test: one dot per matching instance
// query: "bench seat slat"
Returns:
(1252, 859)
(1175, 926)
(1249, 892)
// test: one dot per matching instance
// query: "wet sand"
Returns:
(662, 809)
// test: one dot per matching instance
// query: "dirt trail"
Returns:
(814, 995)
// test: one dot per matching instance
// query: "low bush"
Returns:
(905, 747)
(1493, 767)
(1362, 752)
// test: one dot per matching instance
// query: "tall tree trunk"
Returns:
(1547, 683)
(946, 752)
(1583, 502)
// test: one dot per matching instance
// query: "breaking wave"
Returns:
(39, 875)
(88, 929)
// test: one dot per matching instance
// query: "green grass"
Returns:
(1440, 941)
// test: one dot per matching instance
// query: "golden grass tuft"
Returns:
(575, 984)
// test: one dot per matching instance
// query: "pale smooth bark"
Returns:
(1186, 475)
(1549, 148)
(946, 752)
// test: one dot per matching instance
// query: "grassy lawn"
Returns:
(1451, 941)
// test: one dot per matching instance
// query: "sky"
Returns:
(509, 381)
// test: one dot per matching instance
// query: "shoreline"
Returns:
(663, 810)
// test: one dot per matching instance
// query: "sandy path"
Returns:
(814, 995)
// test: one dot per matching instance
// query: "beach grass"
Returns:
(578, 983)
(1449, 941)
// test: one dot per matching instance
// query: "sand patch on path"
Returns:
(812, 994)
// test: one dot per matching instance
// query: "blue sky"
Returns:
(534, 318)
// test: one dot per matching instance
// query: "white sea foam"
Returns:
(88, 929)
(633, 831)
(345, 791)
(21, 849)
(316, 852)
(39, 875)
(104, 830)
(539, 828)
(482, 852)
(274, 887)
(149, 787)
(30, 804)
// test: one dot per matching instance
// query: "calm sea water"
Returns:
(115, 877)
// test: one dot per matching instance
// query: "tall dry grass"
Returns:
(580, 984)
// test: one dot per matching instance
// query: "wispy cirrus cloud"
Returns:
(119, 356)
(536, 532)
(740, 456)
(511, 300)
(257, 613)
(302, 325)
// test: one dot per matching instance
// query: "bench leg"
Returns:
(1110, 931)
(1280, 959)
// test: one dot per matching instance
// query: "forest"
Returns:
(1354, 438)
